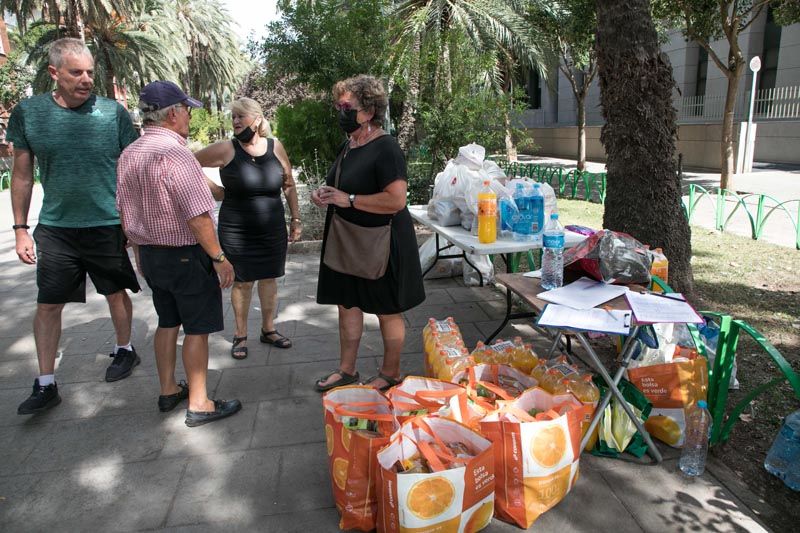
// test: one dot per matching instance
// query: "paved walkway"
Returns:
(107, 460)
(781, 183)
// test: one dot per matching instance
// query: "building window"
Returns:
(534, 89)
(769, 59)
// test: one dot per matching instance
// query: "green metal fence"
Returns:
(5, 178)
(754, 206)
(565, 183)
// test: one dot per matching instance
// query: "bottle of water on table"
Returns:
(695, 447)
(783, 458)
(553, 254)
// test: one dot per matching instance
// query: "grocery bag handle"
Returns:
(427, 398)
(332, 404)
(524, 416)
(368, 415)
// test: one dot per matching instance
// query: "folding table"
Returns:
(528, 290)
(468, 243)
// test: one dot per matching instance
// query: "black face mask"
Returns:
(245, 135)
(348, 121)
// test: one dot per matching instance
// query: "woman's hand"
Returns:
(333, 196)
(295, 230)
(315, 199)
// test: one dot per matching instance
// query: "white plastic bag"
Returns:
(446, 212)
(484, 265)
(444, 268)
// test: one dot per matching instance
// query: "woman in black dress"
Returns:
(371, 192)
(254, 168)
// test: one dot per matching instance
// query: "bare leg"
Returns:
(393, 331)
(195, 362)
(268, 295)
(47, 333)
(121, 308)
(165, 345)
(241, 295)
(351, 326)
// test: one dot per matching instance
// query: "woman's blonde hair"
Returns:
(369, 91)
(249, 107)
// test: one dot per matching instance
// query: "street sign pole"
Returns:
(750, 138)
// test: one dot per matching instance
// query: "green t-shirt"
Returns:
(77, 151)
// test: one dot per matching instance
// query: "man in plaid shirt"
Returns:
(165, 207)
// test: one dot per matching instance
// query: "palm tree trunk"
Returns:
(511, 146)
(405, 130)
(109, 75)
(643, 195)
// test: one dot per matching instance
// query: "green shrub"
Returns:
(310, 133)
(205, 127)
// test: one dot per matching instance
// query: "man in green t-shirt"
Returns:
(76, 138)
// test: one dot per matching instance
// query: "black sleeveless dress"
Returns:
(368, 170)
(252, 224)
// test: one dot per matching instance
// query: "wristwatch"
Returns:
(220, 258)
(352, 198)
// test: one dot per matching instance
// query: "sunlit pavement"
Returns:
(107, 460)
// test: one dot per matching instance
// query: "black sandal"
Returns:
(280, 342)
(390, 381)
(345, 379)
(239, 352)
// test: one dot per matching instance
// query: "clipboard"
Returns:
(649, 308)
(612, 322)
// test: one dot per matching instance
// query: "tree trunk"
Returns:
(109, 76)
(643, 195)
(511, 147)
(581, 123)
(726, 156)
(405, 130)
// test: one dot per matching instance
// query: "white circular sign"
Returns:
(755, 64)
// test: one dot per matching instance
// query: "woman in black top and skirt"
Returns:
(254, 168)
(371, 192)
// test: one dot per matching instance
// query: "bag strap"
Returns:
(367, 415)
(337, 174)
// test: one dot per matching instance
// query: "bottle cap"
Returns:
(554, 216)
(703, 404)
(486, 183)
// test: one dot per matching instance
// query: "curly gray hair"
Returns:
(370, 93)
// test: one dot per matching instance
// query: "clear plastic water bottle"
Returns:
(695, 447)
(521, 230)
(553, 254)
(783, 458)
(537, 213)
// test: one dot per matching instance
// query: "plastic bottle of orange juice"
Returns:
(538, 370)
(584, 389)
(660, 266)
(487, 214)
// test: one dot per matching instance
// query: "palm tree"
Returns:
(644, 192)
(490, 26)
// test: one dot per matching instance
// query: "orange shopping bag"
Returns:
(437, 475)
(419, 396)
(488, 383)
(536, 441)
(671, 388)
(358, 422)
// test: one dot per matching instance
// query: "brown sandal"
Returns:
(280, 342)
(239, 352)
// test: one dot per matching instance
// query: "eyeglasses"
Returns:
(186, 107)
(345, 106)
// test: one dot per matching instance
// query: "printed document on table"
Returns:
(583, 294)
(659, 308)
(601, 320)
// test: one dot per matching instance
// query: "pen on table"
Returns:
(680, 297)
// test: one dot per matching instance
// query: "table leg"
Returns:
(467, 261)
(509, 316)
(435, 259)
(614, 391)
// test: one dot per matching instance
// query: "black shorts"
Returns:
(66, 255)
(185, 288)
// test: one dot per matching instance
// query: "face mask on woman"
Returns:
(348, 121)
(246, 134)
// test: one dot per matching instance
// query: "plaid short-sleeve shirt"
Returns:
(160, 186)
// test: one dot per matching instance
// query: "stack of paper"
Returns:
(583, 294)
(600, 320)
(660, 308)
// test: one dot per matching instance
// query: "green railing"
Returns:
(756, 219)
(565, 183)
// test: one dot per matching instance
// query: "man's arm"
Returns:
(21, 192)
(202, 226)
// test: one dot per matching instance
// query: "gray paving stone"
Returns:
(320, 520)
(16, 444)
(304, 375)
(71, 343)
(78, 400)
(110, 496)
(298, 310)
(255, 384)
(296, 420)
(462, 313)
(219, 357)
(304, 468)
(234, 487)
(474, 294)
(222, 436)
(437, 296)
(662, 499)
(96, 441)
(18, 372)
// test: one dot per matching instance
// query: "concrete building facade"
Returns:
(699, 99)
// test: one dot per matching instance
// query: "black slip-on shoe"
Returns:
(168, 402)
(122, 365)
(222, 409)
(41, 399)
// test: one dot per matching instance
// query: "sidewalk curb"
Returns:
(756, 507)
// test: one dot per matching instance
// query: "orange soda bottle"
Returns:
(487, 214)
(553, 382)
(660, 266)
(539, 370)
(584, 389)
